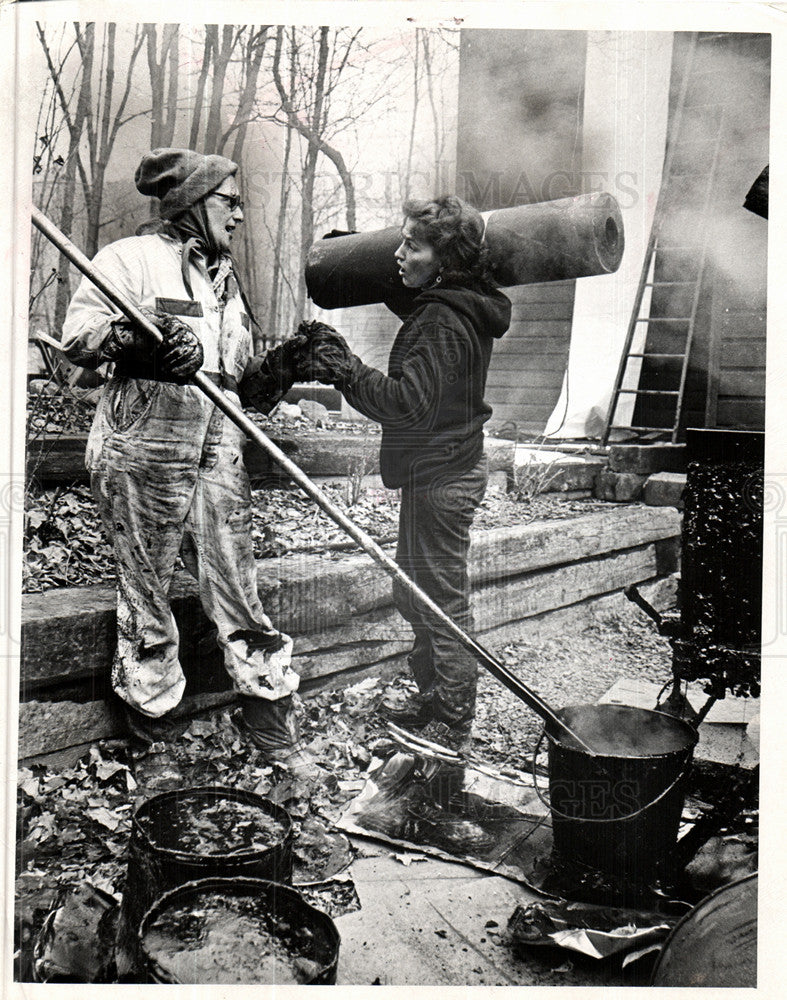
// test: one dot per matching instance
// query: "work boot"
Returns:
(415, 712)
(148, 729)
(272, 728)
(454, 735)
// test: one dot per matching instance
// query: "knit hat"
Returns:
(180, 177)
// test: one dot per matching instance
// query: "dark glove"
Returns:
(175, 359)
(328, 358)
(270, 376)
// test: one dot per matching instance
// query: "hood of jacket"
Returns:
(489, 312)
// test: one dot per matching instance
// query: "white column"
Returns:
(624, 130)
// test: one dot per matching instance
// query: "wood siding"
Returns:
(727, 103)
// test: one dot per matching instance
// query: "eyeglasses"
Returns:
(233, 200)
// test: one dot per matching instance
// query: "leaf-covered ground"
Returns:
(65, 543)
(73, 824)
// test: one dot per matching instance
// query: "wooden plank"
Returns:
(526, 395)
(741, 353)
(539, 378)
(309, 595)
(742, 382)
(536, 328)
(747, 414)
(548, 291)
(528, 347)
(553, 363)
(743, 324)
(541, 311)
(536, 593)
(45, 727)
(503, 552)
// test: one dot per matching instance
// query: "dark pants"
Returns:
(434, 540)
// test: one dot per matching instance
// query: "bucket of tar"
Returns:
(618, 810)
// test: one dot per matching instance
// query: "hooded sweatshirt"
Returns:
(431, 403)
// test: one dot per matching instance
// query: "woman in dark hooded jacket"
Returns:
(432, 411)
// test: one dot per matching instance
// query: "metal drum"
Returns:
(715, 944)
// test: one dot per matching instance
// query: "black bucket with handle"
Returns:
(618, 810)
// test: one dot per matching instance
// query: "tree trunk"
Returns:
(162, 122)
(409, 166)
(253, 60)
(284, 191)
(211, 43)
(168, 128)
(76, 127)
(221, 60)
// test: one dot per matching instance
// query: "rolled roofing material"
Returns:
(528, 244)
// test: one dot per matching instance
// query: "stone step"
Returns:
(69, 634)
(664, 489)
(371, 646)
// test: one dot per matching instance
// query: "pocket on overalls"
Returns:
(130, 400)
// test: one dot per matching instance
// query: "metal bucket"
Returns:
(167, 850)
(715, 944)
(239, 930)
(618, 810)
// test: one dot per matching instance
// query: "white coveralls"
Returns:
(168, 476)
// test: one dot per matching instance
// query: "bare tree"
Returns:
(284, 191)
(253, 50)
(308, 113)
(75, 124)
(96, 119)
(164, 70)
(202, 79)
(222, 53)
(102, 125)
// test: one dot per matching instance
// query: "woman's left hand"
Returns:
(327, 357)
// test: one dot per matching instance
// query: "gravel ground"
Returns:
(568, 663)
(569, 659)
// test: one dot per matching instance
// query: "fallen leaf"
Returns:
(106, 769)
(31, 787)
(106, 818)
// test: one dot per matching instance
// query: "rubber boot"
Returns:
(147, 729)
(273, 728)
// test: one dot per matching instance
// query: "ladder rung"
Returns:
(650, 392)
(653, 354)
(664, 319)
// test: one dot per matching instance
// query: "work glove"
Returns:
(328, 358)
(175, 359)
(270, 376)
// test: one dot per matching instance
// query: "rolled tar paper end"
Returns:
(757, 198)
(528, 244)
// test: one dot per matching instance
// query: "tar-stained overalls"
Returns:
(168, 476)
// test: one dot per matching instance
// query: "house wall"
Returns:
(520, 141)
(725, 120)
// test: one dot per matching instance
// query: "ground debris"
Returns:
(65, 543)
(77, 941)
